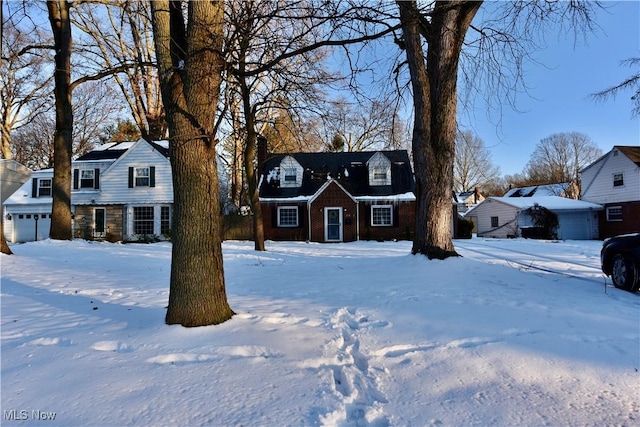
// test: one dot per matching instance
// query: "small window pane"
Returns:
(287, 216)
(618, 180)
(165, 220)
(381, 215)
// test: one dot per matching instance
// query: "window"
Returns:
(143, 220)
(618, 180)
(614, 213)
(287, 216)
(141, 176)
(290, 175)
(165, 220)
(44, 187)
(494, 221)
(382, 215)
(86, 178)
(380, 174)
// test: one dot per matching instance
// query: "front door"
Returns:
(333, 224)
(100, 217)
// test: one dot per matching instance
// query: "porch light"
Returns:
(8, 217)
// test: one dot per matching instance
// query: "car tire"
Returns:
(624, 273)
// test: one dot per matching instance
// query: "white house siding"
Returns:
(507, 221)
(114, 181)
(597, 180)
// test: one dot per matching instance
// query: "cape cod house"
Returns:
(614, 182)
(120, 191)
(336, 197)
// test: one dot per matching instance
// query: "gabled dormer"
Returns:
(379, 167)
(290, 173)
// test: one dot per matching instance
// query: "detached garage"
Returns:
(504, 217)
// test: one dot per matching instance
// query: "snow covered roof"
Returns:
(538, 190)
(554, 203)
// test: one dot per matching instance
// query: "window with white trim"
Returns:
(44, 187)
(87, 177)
(287, 216)
(382, 215)
(165, 220)
(618, 180)
(614, 213)
(141, 177)
(143, 220)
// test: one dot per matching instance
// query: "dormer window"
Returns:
(290, 173)
(379, 170)
(86, 179)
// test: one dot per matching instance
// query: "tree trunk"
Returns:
(252, 189)
(190, 66)
(4, 246)
(434, 83)
(63, 142)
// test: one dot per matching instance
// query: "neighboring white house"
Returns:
(506, 217)
(468, 199)
(614, 181)
(120, 191)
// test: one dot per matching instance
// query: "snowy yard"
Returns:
(357, 334)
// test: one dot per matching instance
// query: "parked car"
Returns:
(620, 259)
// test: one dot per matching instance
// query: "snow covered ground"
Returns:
(356, 334)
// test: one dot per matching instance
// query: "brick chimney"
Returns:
(262, 151)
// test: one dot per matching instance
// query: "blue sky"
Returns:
(558, 99)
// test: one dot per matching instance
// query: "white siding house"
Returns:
(614, 181)
(120, 191)
(506, 217)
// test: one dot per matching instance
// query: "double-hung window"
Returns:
(87, 177)
(382, 215)
(494, 222)
(44, 187)
(618, 180)
(614, 213)
(165, 220)
(141, 176)
(287, 216)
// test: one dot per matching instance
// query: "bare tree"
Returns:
(472, 165)
(117, 37)
(631, 83)
(25, 82)
(493, 51)
(360, 126)
(558, 158)
(190, 65)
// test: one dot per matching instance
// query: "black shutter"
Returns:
(130, 177)
(367, 214)
(274, 217)
(395, 215)
(300, 216)
(34, 187)
(96, 178)
(152, 176)
(76, 179)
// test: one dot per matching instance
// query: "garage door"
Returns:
(25, 226)
(575, 226)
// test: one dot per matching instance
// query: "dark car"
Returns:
(620, 259)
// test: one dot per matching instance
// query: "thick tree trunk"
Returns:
(434, 83)
(63, 142)
(190, 65)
